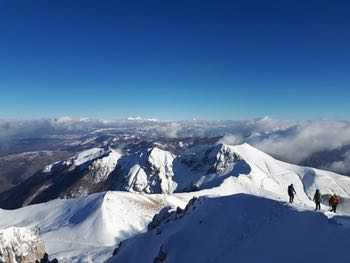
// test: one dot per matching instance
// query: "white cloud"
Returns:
(342, 166)
(306, 139)
(231, 139)
(291, 141)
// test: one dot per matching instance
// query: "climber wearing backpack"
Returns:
(333, 202)
(317, 200)
(291, 193)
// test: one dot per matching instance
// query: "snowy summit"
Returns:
(241, 207)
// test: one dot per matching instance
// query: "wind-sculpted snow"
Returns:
(84, 228)
(243, 229)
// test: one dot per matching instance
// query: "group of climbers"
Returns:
(333, 201)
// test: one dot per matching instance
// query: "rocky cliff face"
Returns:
(20, 245)
(150, 171)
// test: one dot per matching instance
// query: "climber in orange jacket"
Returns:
(334, 202)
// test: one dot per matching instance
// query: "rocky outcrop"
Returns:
(150, 171)
(20, 245)
(168, 214)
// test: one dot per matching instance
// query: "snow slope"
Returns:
(241, 168)
(76, 228)
(274, 176)
(226, 170)
(89, 228)
(243, 229)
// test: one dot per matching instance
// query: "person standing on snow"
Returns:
(291, 193)
(317, 200)
(333, 202)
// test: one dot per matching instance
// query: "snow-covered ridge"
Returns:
(104, 158)
(240, 228)
(156, 170)
(79, 159)
(87, 156)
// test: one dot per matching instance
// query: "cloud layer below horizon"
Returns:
(293, 141)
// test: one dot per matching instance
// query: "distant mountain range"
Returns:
(94, 190)
(322, 144)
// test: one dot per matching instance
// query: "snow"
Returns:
(232, 224)
(19, 242)
(162, 161)
(101, 168)
(10, 235)
(76, 229)
(103, 162)
(137, 180)
(88, 155)
(150, 171)
(48, 168)
(243, 229)
(268, 177)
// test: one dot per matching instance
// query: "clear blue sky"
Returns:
(175, 59)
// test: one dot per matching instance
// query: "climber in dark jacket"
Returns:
(291, 193)
(317, 200)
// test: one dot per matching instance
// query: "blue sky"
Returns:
(175, 59)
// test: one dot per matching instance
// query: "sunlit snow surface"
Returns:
(88, 229)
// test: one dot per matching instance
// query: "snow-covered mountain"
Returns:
(327, 141)
(149, 171)
(84, 173)
(90, 228)
(153, 169)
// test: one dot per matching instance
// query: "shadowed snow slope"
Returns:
(243, 229)
(74, 228)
